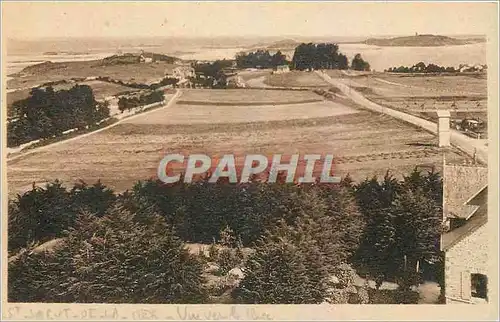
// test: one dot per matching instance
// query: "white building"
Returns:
(183, 72)
(281, 69)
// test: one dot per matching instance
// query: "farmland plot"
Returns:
(363, 143)
(296, 79)
(246, 97)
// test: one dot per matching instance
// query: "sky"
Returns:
(33, 20)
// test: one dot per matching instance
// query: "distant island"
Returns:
(55, 53)
(285, 44)
(423, 41)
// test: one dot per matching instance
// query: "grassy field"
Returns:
(105, 89)
(251, 74)
(393, 85)
(246, 96)
(364, 143)
(195, 114)
(422, 95)
(295, 79)
(138, 73)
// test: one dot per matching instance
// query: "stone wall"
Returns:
(468, 256)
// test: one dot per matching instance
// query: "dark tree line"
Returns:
(301, 235)
(422, 68)
(319, 56)
(260, 59)
(211, 75)
(127, 103)
(47, 113)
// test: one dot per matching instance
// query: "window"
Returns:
(479, 283)
(456, 223)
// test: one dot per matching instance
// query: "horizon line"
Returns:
(230, 36)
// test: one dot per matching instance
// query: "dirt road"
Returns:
(473, 147)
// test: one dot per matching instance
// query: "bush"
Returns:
(39, 215)
(277, 274)
(112, 259)
(227, 260)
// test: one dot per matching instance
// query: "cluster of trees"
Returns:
(359, 64)
(211, 75)
(127, 103)
(130, 58)
(127, 58)
(164, 82)
(422, 68)
(319, 56)
(129, 247)
(47, 113)
(403, 229)
(260, 59)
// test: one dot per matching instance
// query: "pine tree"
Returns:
(39, 215)
(112, 259)
(277, 274)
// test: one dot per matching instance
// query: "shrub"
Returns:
(277, 274)
(112, 259)
(39, 215)
(227, 260)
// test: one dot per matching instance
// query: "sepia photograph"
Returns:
(248, 153)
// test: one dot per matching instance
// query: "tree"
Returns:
(112, 259)
(95, 199)
(47, 113)
(359, 64)
(39, 215)
(318, 56)
(403, 225)
(277, 274)
(278, 59)
(417, 222)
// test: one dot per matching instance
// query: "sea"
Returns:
(21, 54)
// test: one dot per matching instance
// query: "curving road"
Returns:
(472, 147)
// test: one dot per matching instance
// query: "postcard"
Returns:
(249, 160)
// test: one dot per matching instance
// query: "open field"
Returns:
(421, 95)
(364, 143)
(393, 85)
(295, 79)
(104, 89)
(195, 114)
(252, 74)
(17, 96)
(50, 72)
(246, 97)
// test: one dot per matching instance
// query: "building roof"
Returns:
(466, 197)
(478, 219)
(460, 184)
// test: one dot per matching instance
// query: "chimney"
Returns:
(443, 128)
